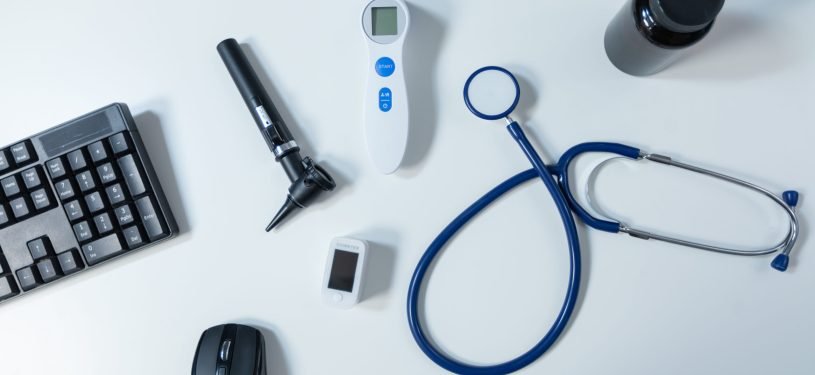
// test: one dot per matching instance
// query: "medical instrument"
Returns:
(230, 349)
(492, 93)
(308, 179)
(75, 196)
(646, 36)
(344, 275)
(385, 24)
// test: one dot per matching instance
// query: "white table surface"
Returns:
(742, 102)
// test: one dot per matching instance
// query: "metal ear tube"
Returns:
(787, 202)
(308, 179)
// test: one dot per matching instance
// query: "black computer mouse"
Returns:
(230, 349)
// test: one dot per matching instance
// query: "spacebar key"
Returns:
(103, 248)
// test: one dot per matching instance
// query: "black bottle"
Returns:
(646, 36)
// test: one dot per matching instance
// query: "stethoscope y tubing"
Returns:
(540, 170)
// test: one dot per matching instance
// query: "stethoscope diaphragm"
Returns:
(492, 93)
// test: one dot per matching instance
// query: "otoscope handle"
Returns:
(266, 117)
(308, 179)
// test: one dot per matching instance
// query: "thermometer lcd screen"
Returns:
(384, 20)
(343, 270)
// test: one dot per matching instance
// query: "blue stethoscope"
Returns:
(492, 93)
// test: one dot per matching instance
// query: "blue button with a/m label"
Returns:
(385, 99)
(385, 66)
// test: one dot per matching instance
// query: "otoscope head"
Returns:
(304, 190)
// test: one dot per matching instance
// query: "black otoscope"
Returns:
(308, 179)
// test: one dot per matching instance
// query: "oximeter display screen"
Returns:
(384, 20)
(343, 270)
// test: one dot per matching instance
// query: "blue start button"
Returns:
(384, 66)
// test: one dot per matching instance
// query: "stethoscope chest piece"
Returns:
(492, 93)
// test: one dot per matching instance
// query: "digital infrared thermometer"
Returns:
(385, 24)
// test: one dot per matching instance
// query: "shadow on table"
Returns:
(152, 133)
(422, 48)
(740, 46)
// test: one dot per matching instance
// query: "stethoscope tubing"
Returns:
(561, 321)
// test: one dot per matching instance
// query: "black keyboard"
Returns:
(75, 196)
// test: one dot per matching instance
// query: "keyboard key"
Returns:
(74, 210)
(123, 215)
(115, 194)
(97, 151)
(55, 168)
(4, 161)
(10, 186)
(94, 202)
(152, 223)
(8, 288)
(19, 207)
(119, 143)
(40, 199)
(31, 178)
(39, 247)
(21, 153)
(133, 237)
(103, 248)
(4, 218)
(85, 181)
(103, 223)
(132, 176)
(28, 278)
(65, 189)
(106, 173)
(48, 270)
(69, 262)
(82, 231)
(77, 161)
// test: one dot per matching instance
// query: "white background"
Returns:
(741, 103)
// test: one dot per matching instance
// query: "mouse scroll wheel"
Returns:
(224, 351)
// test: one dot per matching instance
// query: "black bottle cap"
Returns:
(685, 16)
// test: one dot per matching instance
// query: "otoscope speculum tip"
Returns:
(288, 207)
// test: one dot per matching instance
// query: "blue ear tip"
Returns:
(781, 262)
(791, 197)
